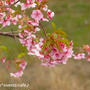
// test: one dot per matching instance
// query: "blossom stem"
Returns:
(43, 30)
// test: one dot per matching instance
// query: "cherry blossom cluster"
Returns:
(79, 56)
(22, 65)
(7, 20)
(87, 49)
(84, 54)
(51, 58)
(53, 49)
(27, 25)
(33, 46)
(18, 62)
(58, 56)
(9, 16)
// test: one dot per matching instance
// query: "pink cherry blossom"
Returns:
(31, 3)
(24, 6)
(20, 26)
(17, 74)
(37, 29)
(9, 2)
(14, 20)
(58, 57)
(28, 4)
(34, 23)
(6, 21)
(50, 14)
(10, 10)
(56, 51)
(2, 15)
(3, 59)
(45, 19)
(23, 64)
(37, 15)
(79, 56)
(87, 49)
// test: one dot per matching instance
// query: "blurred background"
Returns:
(73, 16)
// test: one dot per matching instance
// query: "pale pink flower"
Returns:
(45, 19)
(18, 16)
(6, 21)
(12, 1)
(39, 0)
(17, 74)
(3, 59)
(14, 20)
(50, 14)
(23, 65)
(34, 23)
(20, 26)
(24, 6)
(79, 56)
(9, 2)
(37, 29)
(10, 10)
(28, 4)
(31, 3)
(37, 15)
(2, 15)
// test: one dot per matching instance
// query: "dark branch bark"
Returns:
(9, 34)
(15, 3)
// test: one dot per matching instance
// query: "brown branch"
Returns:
(14, 3)
(9, 34)
(10, 4)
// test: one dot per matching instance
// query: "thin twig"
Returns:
(14, 3)
(43, 30)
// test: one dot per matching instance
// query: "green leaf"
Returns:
(4, 47)
(55, 36)
(48, 34)
(62, 33)
(21, 54)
